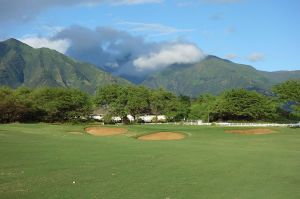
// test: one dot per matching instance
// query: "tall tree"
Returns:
(7, 105)
(240, 104)
(114, 98)
(289, 92)
(60, 104)
(25, 105)
(202, 107)
(138, 101)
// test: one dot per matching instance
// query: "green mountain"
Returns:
(22, 65)
(214, 75)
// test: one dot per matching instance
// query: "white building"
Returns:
(151, 118)
(97, 117)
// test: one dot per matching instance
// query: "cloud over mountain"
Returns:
(173, 53)
(118, 51)
(61, 45)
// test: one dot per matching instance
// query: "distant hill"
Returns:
(22, 65)
(214, 75)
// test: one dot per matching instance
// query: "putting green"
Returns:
(45, 161)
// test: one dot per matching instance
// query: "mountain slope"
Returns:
(214, 75)
(22, 65)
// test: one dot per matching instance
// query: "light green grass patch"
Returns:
(43, 161)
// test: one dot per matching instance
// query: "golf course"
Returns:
(148, 161)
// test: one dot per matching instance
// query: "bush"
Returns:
(107, 119)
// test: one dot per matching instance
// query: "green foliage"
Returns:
(159, 99)
(107, 119)
(240, 104)
(43, 104)
(138, 100)
(22, 65)
(214, 75)
(61, 104)
(202, 107)
(7, 105)
(184, 104)
(115, 98)
(163, 102)
(288, 91)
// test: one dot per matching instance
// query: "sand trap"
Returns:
(104, 131)
(251, 131)
(162, 136)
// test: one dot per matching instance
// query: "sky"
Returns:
(138, 36)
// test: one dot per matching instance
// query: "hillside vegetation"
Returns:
(22, 65)
(214, 75)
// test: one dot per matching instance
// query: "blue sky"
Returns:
(264, 34)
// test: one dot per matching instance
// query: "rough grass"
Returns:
(42, 161)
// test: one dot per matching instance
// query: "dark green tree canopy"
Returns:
(240, 104)
(43, 104)
(139, 100)
(288, 91)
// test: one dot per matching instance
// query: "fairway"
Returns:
(63, 161)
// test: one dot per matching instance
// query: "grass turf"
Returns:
(43, 161)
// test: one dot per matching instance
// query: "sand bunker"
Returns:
(251, 131)
(162, 136)
(104, 131)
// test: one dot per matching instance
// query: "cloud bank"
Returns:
(60, 45)
(118, 51)
(175, 53)
(154, 29)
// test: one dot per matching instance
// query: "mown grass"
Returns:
(43, 160)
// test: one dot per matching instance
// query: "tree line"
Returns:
(65, 104)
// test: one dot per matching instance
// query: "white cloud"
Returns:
(255, 57)
(123, 53)
(50, 30)
(155, 28)
(60, 45)
(175, 53)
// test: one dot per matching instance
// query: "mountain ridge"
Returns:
(22, 65)
(214, 75)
